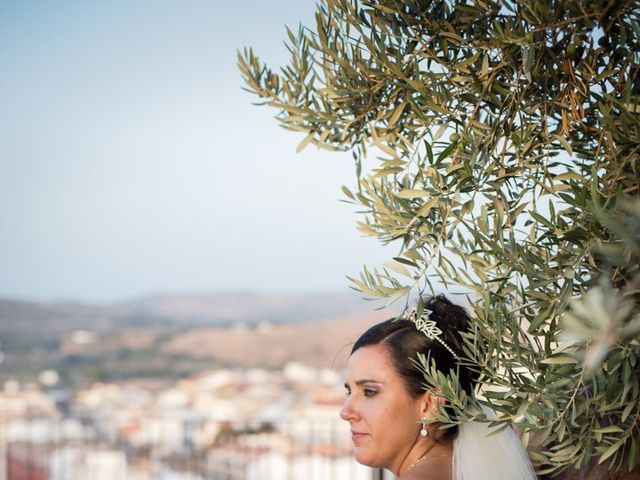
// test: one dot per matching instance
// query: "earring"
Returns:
(424, 433)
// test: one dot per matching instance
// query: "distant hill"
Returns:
(233, 307)
(172, 335)
(321, 343)
(37, 317)
(184, 310)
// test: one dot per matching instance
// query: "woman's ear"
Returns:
(429, 402)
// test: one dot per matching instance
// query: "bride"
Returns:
(392, 414)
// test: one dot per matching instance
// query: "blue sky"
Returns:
(133, 163)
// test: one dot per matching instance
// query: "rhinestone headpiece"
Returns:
(427, 326)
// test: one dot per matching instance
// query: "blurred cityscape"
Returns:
(226, 424)
(252, 415)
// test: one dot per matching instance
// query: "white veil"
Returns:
(480, 454)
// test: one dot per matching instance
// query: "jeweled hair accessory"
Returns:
(427, 326)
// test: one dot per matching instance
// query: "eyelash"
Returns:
(367, 392)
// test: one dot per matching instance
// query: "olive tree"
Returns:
(506, 145)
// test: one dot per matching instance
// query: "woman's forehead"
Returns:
(372, 362)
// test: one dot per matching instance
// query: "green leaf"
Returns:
(565, 143)
(611, 450)
(398, 268)
(305, 141)
(412, 193)
(426, 208)
(559, 360)
(608, 429)
(348, 193)
(632, 459)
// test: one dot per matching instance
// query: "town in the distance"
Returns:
(178, 389)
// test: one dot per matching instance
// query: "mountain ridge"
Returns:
(186, 309)
(164, 336)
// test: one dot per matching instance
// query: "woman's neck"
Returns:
(431, 456)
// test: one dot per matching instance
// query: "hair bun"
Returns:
(450, 318)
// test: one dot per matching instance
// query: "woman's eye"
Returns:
(369, 392)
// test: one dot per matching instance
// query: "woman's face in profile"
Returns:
(384, 418)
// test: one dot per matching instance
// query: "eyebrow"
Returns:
(364, 381)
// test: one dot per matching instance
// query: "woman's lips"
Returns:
(357, 436)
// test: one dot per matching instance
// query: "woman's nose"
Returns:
(347, 412)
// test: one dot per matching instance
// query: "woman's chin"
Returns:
(362, 457)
